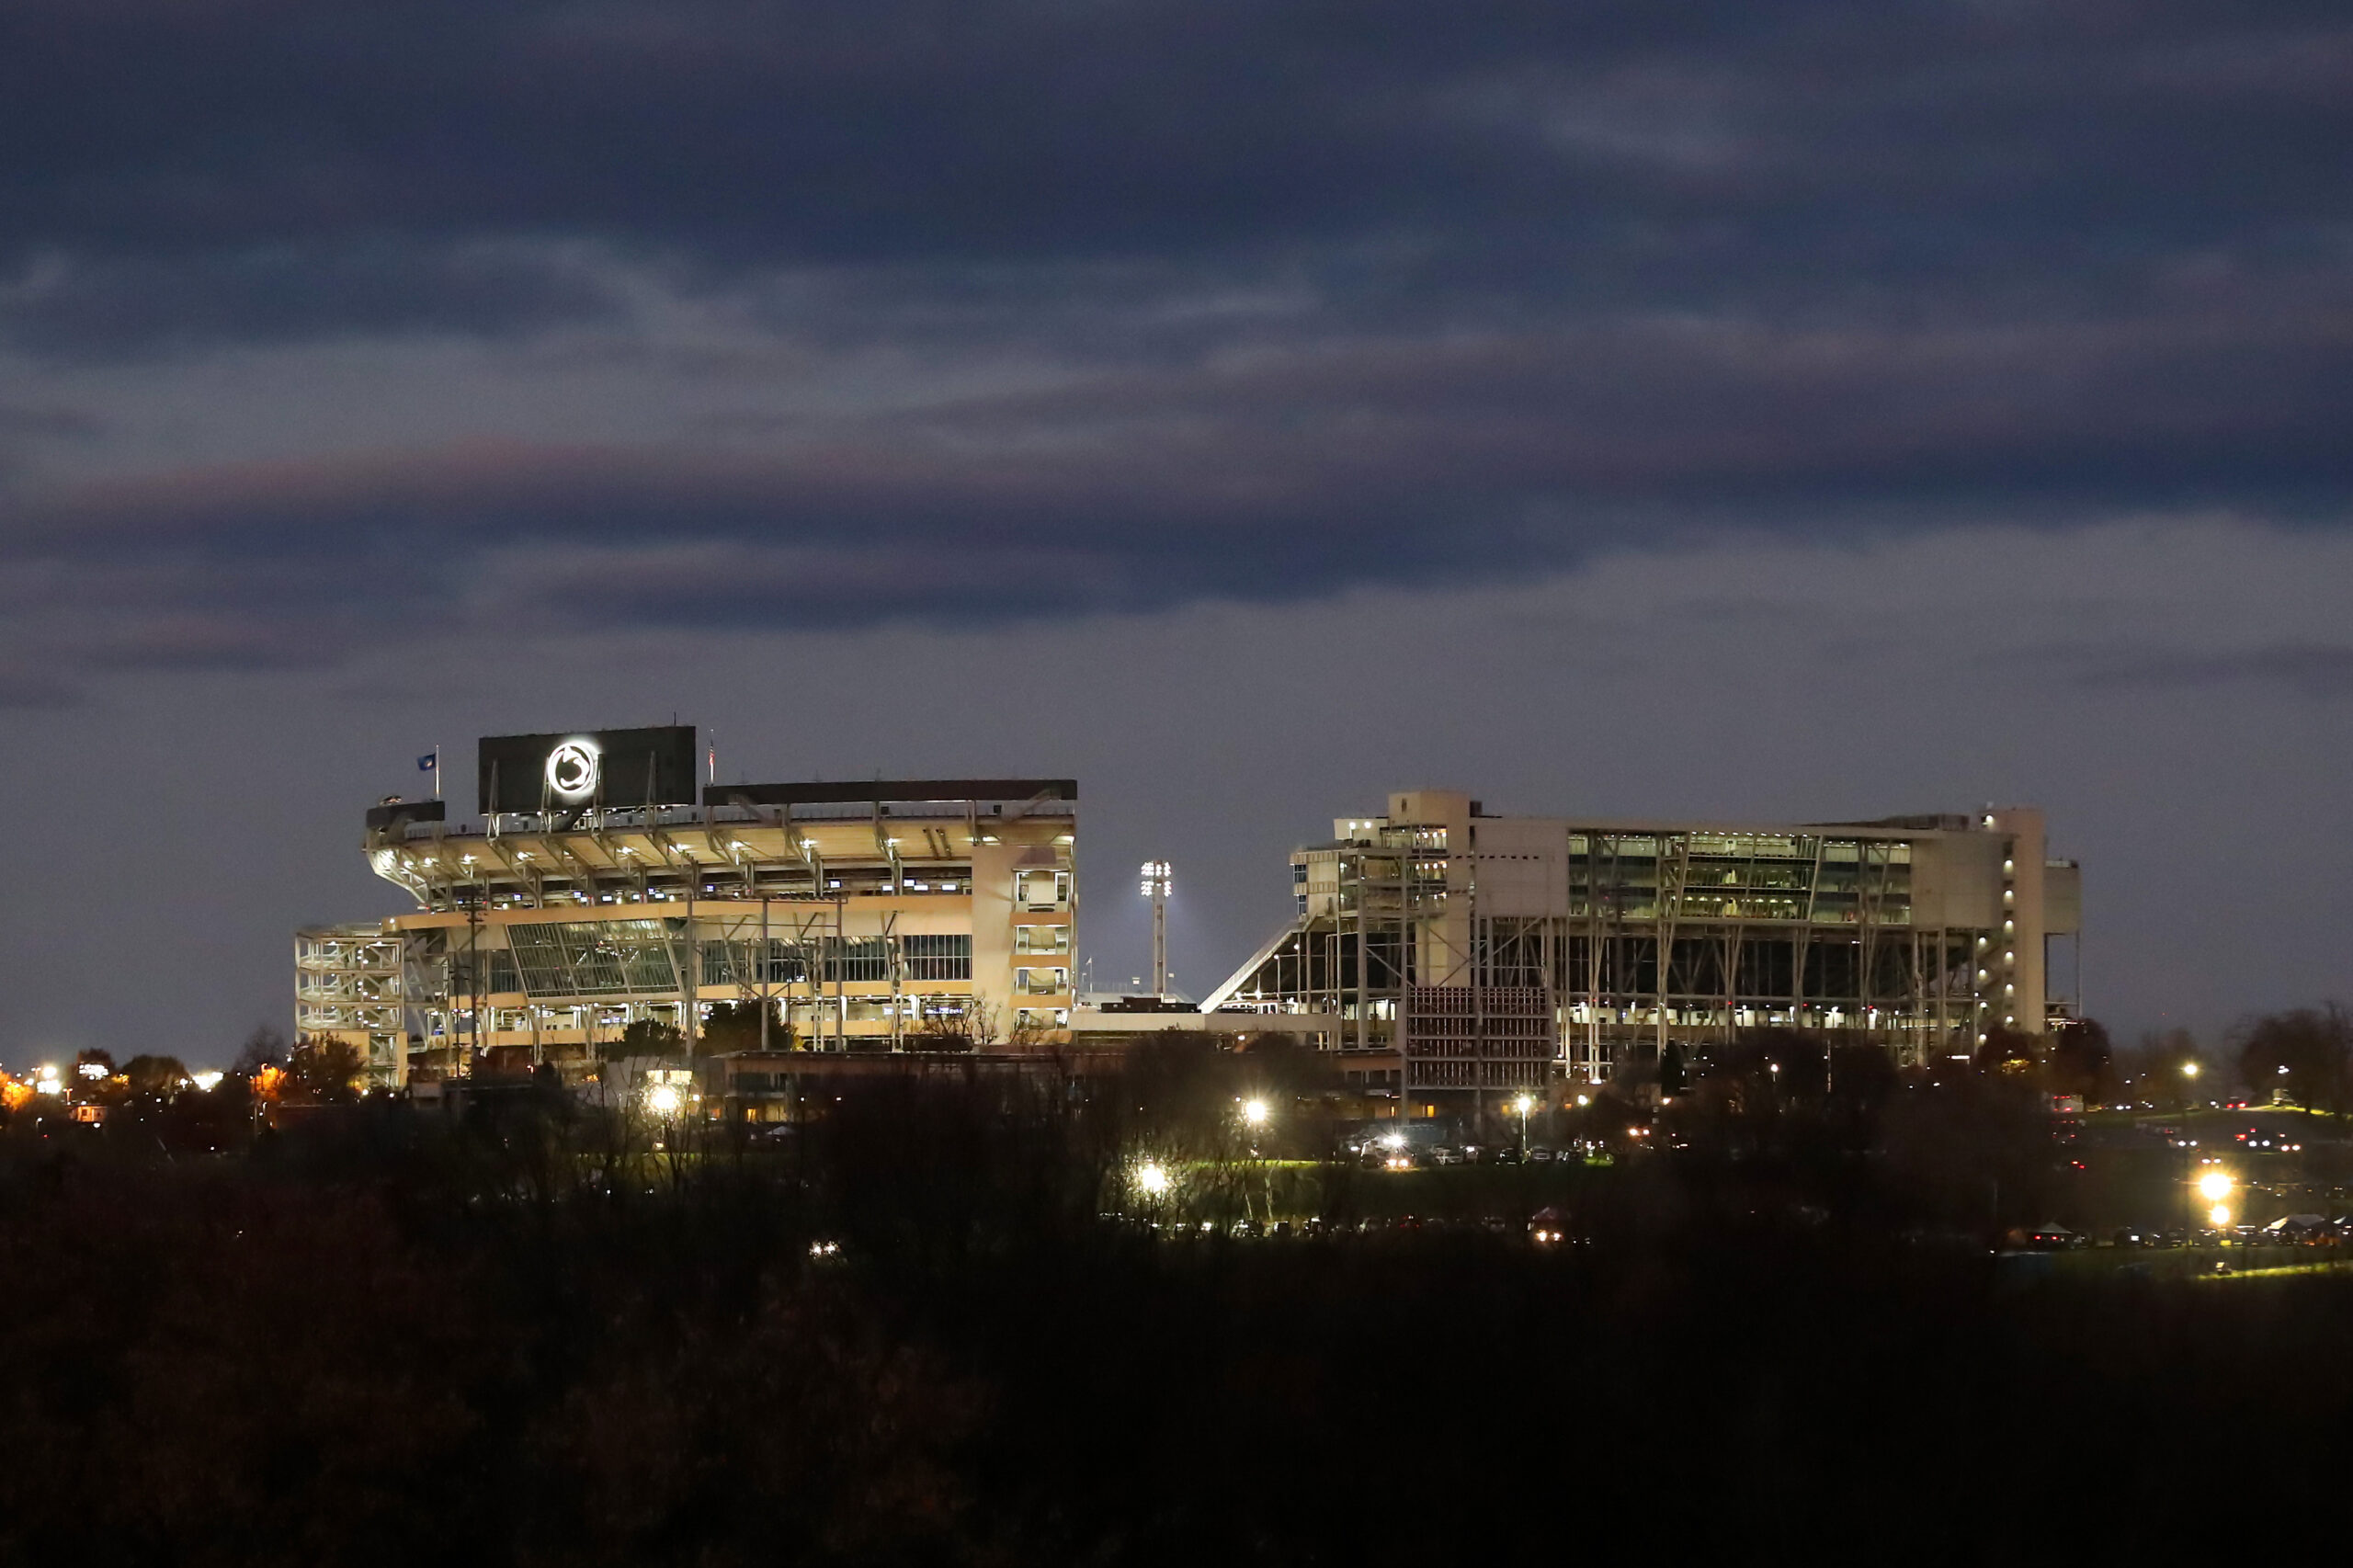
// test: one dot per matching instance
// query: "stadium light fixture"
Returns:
(1156, 885)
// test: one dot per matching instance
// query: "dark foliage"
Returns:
(647, 1037)
(735, 1026)
(905, 1335)
(2308, 1052)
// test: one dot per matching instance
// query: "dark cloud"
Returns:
(2309, 669)
(1513, 153)
(1320, 294)
(50, 422)
(114, 306)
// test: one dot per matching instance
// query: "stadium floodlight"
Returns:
(1155, 886)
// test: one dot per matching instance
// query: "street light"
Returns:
(1523, 1104)
(2189, 1069)
(2214, 1187)
(664, 1100)
(1255, 1113)
(1152, 1178)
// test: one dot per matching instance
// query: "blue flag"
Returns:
(428, 762)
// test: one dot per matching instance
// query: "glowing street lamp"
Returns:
(2215, 1187)
(2189, 1069)
(664, 1100)
(1524, 1104)
(1255, 1113)
(1152, 1178)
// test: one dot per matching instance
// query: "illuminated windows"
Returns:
(1042, 938)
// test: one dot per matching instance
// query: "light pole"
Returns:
(2215, 1187)
(1254, 1118)
(1157, 883)
(1523, 1104)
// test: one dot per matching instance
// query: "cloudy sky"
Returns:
(1754, 410)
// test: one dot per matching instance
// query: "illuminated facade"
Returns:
(880, 917)
(1439, 949)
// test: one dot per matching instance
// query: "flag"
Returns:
(428, 762)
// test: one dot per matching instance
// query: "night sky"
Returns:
(1754, 411)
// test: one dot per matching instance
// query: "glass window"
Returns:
(942, 957)
(592, 957)
(859, 960)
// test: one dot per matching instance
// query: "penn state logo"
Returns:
(571, 772)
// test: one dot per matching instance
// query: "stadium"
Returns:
(1440, 951)
(595, 891)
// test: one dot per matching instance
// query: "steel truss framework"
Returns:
(1796, 931)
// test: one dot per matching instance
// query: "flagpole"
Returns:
(437, 772)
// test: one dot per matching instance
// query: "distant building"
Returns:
(587, 897)
(1439, 949)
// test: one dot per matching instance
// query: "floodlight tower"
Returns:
(1156, 888)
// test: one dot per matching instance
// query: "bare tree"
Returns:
(263, 1048)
